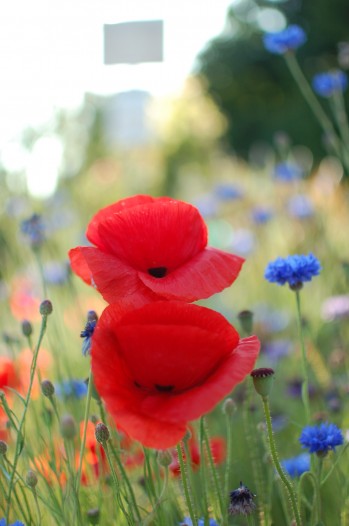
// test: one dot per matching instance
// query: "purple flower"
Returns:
(277, 349)
(336, 308)
(292, 37)
(294, 270)
(300, 206)
(34, 230)
(329, 83)
(322, 438)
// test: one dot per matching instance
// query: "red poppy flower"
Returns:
(152, 248)
(161, 365)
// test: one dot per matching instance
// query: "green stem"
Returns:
(334, 464)
(203, 472)
(229, 455)
(19, 440)
(215, 478)
(313, 102)
(185, 484)
(117, 485)
(41, 271)
(83, 441)
(277, 465)
(305, 383)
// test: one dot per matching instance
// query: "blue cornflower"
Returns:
(320, 439)
(71, 389)
(228, 192)
(294, 270)
(261, 215)
(188, 522)
(276, 349)
(289, 38)
(16, 523)
(300, 206)
(87, 333)
(34, 229)
(329, 83)
(56, 273)
(295, 466)
(287, 172)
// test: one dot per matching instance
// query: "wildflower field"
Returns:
(180, 359)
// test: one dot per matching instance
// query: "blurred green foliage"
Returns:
(254, 88)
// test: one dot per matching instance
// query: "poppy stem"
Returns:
(20, 438)
(185, 483)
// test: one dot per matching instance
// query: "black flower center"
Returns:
(157, 272)
(164, 388)
(158, 387)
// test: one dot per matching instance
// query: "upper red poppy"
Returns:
(161, 365)
(150, 248)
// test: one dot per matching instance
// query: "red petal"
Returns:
(150, 432)
(114, 279)
(159, 420)
(200, 400)
(92, 229)
(79, 265)
(122, 398)
(160, 234)
(173, 344)
(211, 271)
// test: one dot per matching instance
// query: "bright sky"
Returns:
(51, 52)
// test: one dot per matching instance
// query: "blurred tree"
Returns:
(253, 88)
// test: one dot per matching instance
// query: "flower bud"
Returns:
(229, 407)
(46, 308)
(3, 447)
(263, 380)
(93, 516)
(245, 318)
(164, 457)
(102, 433)
(47, 388)
(94, 419)
(68, 427)
(27, 328)
(31, 478)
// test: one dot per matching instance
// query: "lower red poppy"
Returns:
(164, 364)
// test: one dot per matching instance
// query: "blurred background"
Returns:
(103, 100)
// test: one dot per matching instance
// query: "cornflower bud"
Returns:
(31, 478)
(93, 515)
(47, 388)
(27, 328)
(46, 308)
(229, 407)
(102, 433)
(164, 457)
(3, 447)
(245, 318)
(68, 427)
